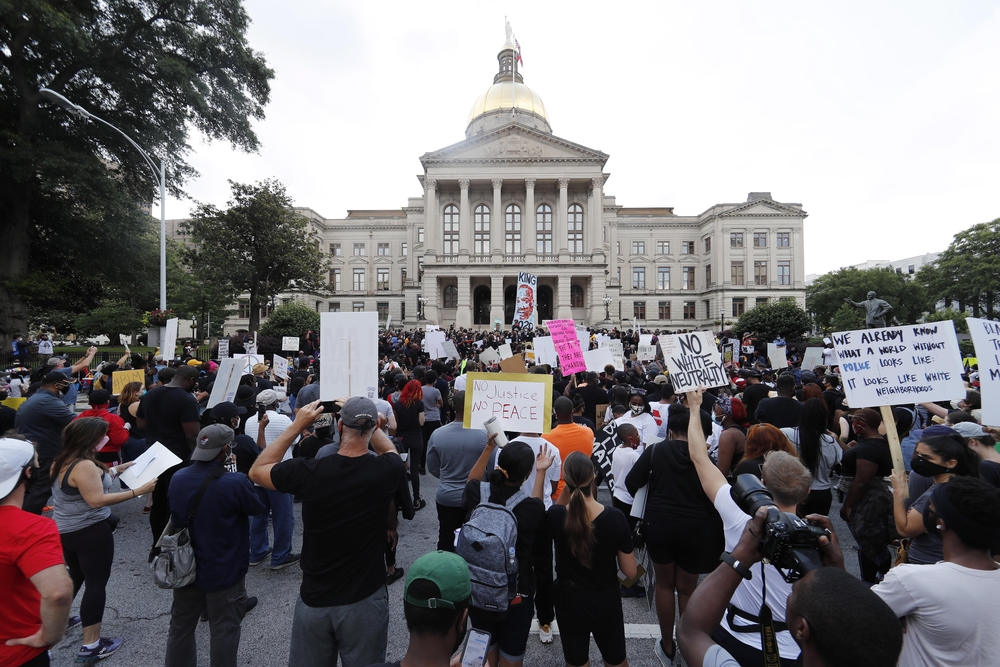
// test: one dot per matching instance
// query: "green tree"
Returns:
(290, 319)
(958, 317)
(258, 246)
(968, 272)
(156, 69)
(111, 318)
(777, 318)
(847, 318)
(825, 297)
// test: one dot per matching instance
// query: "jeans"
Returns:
(226, 609)
(449, 520)
(283, 521)
(357, 632)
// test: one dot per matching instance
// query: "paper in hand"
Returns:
(150, 464)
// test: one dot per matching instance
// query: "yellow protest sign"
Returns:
(121, 378)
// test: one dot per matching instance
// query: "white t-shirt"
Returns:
(645, 423)
(45, 347)
(551, 475)
(660, 413)
(950, 613)
(748, 595)
(460, 382)
(621, 463)
(829, 357)
(276, 425)
(829, 453)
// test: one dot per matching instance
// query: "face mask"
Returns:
(859, 429)
(715, 418)
(922, 466)
(637, 409)
(101, 444)
(931, 521)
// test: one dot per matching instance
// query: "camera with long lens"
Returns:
(789, 543)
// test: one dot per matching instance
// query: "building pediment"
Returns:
(514, 143)
(764, 207)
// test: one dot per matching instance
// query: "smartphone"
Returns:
(261, 409)
(476, 646)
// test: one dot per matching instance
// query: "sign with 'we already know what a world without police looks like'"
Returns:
(916, 363)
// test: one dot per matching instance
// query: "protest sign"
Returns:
(514, 364)
(433, 327)
(388, 321)
(605, 445)
(524, 304)
(168, 346)
(489, 355)
(567, 346)
(529, 356)
(121, 378)
(289, 344)
(600, 410)
(349, 363)
(597, 359)
(646, 352)
(986, 338)
(248, 360)
(223, 348)
(227, 381)
(150, 464)
(523, 402)
(545, 351)
(916, 363)
(645, 339)
(777, 356)
(617, 353)
(505, 351)
(450, 350)
(279, 365)
(600, 338)
(812, 358)
(728, 354)
(692, 360)
(583, 336)
(433, 343)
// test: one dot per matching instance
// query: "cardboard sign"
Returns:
(545, 351)
(567, 346)
(279, 365)
(505, 351)
(121, 378)
(597, 359)
(434, 344)
(489, 356)
(646, 352)
(289, 343)
(986, 338)
(692, 360)
(223, 348)
(617, 353)
(777, 356)
(450, 350)
(227, 381)
(645, 339)
(812, 358)
(349, 363)
(600, 410)
(168, 346)
(916, 363)
(522, 403)
(514, 364)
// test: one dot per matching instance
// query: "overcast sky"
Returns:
(881, 118)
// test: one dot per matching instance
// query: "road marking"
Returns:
(632, 630)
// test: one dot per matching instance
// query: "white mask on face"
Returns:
(637, 409)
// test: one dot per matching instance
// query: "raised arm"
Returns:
(479, 469)
(710, 476)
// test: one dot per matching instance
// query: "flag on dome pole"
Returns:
(517, 53)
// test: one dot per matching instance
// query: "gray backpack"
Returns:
(174, 566)
(487, 542)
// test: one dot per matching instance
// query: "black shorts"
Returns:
(582, 612)
(694, 546)
(508, 633)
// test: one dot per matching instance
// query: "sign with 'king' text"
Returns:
(916, 363)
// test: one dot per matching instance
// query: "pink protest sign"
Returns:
(567, 345)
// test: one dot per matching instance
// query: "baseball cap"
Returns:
(194, 362)
(750, 373)
(359, 412)
(968, 429)
(100, 397)
(448, 571)
(268, 397)
(227, 410)
(660, 379)
(15, 456)
(55, 377)
(258, 368)
(211, 440)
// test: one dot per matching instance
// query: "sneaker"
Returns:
(635, 591)
(258, 561)
(105, 647)
(73, 622)
(250, 604)
(396, 575)
(291, 560)
(545, 633)
(419, 504)
(666, 660)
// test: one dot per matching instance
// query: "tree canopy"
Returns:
(968, 272)
(776, 318)
(69, 186)
(258, 246)
(290, 319)
(825, 297)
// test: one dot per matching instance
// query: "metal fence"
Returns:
(76, 353)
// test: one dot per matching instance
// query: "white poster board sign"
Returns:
(583, 336)
(279, 365)
(227, 381)
(489, 356)
(248, 361)
(693, 359)
(349, 363)
(521, 402)
(223, 348)
(777, 356)
(916, 363)
(545, 351)
(597, 359)
(450, 350)
(289, 344)
(168, 346)
(645, 339)
(434, 344)
(505, 351)
(646, 352)
(617, 353)
(812, 358)
(150, 464)
(986, 338)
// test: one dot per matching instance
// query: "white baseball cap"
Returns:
(15, 455)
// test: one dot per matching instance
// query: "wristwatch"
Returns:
(740, 568)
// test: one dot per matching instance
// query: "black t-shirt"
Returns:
(749, 466)
(875, 450)
(345, 510)
(166, 409)
(779, 412)
(611, 535)
(407, 418)
(592, 397)
(309, 446)
(990, 472)
(246, 451)
(752, 396)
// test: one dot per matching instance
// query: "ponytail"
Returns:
(578, 472)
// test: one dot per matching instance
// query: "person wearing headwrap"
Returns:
(948, 607)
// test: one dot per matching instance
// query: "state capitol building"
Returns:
(512, 196)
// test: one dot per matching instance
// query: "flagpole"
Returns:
(513, 84)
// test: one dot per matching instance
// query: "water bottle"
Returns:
(511, 560)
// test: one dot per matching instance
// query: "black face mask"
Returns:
(922, 466)
(931, 521)
(460, 637)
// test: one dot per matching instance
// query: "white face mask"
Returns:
(637, 409)
(101, 444)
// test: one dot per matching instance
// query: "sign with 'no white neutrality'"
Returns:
(693, 359)
(916, 363)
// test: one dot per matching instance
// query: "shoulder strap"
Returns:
(212, 476)
(64, 484)
(518, 497)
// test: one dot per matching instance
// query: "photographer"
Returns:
(788, 481)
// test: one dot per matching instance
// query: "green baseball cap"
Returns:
(448, 571)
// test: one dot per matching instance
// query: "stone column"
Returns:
(497, 218)
(496, 298)
(613, 258)
(431, 233)
(563, 309)
(528, 217)
(594, 236)
(464, 219)
(559, 231)
(463, 314)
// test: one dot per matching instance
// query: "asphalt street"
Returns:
(140, 612)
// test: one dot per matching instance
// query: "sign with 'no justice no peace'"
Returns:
(919, 363)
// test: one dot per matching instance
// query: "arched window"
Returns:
(450, 230)
(482, 230)
(576, 296)
(451, 297)
(574, 222)
(512, 241)
(543, 230)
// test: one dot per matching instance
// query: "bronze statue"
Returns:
(875, 310)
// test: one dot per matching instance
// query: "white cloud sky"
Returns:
(881, 118)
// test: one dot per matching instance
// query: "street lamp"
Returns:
(159, 174)
(420, 307)
(607, 307)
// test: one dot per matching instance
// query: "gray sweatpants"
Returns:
(357, 632)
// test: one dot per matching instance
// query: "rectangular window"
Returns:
(334, 306)
(420, 234)
(708, 275)
(761, 301)
(450, 237)
(910, 269)
(784, 273)
(760, 239)
(689, 310)
(481, 231)
(760, 273)
(383, 249)
(687, 278)
(736, 273)
(335, 250)
(687, 248)
(638, 277)
(402, 311)
(335, 280)
(575, 230)
(783, 239)
(736, 240)
(664, 310)
(512, 227)
(739, 306)
(359, 280)
(383, 310)
(403, 249)
(359, 249)
(382, 279)
(639, 310)
(708, 244)
(663, 247)
(402, 277)
(638, 247)
(619, 247)
(318, 303)
(359, 306)
(663, 277)
(244, 309)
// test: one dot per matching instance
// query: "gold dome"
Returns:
(501, 96)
